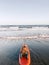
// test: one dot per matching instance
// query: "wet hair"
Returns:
(24, 46)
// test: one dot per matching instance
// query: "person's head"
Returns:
(24, 48)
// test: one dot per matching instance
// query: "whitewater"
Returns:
(24, 33)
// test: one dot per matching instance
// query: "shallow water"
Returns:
(10, 46)
(9, 51)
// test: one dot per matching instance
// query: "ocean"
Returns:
(12, 37)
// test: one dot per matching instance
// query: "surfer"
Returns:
(24, 56)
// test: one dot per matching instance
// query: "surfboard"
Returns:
(24, 55)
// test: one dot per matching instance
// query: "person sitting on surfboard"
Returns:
(24, 56)
(24, 53)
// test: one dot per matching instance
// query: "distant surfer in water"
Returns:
(24, 56)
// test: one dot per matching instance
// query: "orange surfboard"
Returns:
(24, 55)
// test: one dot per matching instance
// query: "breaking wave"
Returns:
(26, 37)
(22, 28)
(9, 29)
(24, 33)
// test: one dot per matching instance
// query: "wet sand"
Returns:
(9, 51)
